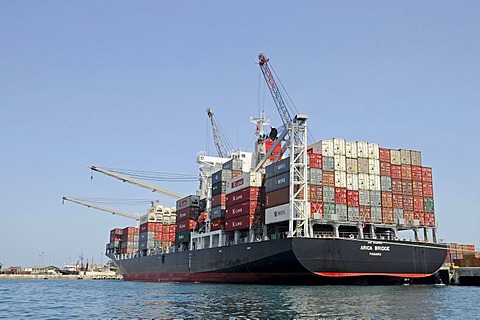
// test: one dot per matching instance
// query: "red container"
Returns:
(187, 213)
(116, 232)
(219, 200)
(427, 189)
(316, 161)
(171, 237)
(165, 236)
(416, 173)
(268, 146)
(328, 178)
(407, 187)
(236, 173)
(316, 207)
(385, 168)
(396, 171)
(429, 219)
(277, 197)
(387, 201)
(239, 223)
(130, 230)
(352, 198)
(408, 216)
(316, 193)
(406, 171)
(341, 195)
(185, 225)
(397, 201)
(417, 188)
(384, 154)
(417, 215)
(242, 209)
(158, 236)
(217, 224)
(418, 205)
(171, 228)
(426, 174)
(166, 228)
(365, 213)
(387, 215)
(408, 202)
(247, 194)
(397, 186)
(147, 227)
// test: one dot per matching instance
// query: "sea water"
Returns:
(110, 299)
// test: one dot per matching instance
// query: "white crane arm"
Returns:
(95, 206)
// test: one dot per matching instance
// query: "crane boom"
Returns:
(274, 90)
(219, 144)
(95, 206)
(136, 182)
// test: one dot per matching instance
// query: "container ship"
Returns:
(291, 212)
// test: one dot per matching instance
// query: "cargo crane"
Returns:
(96, 206)
(220, 141)
(137, 182)
(295, 137)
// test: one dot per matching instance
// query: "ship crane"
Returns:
(137, 182)
(220, 141)
(106, 209)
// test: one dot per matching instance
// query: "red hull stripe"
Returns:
(362, 274)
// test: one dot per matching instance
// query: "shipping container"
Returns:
(341, 212)
(408, 216)
(278, 182)
(217, 224)
(428, 205)
(375, 198)
(327, 148)
(328, 194)
(315, 176)
(407, 187)
(269, 145)
(219, 200)
(384, 155)
(426, 174)
(362, 149)
(364, 213)
(353, 198)
(396, 171)
(405, 157)
(406, 171)
(315, 160)
(246, 208)
(189, 224)
(187, 213)
(352, 165)
(246, 180)
(222, 175)
(373, 151)
(236, 173)
(385, 169)
(417, 187)
(429, 219)
(398, 214)
(188, 201)
(341, 195)
(387, 199)
(387, 215)
(385, 183)
(416, 158)
(328, 163)
(316, 207)
(217, 213)
(328, 209)
(416, 173)
(328, 178)
(376, 214)
(407, 203)
(219, 187)
(149, 226)
(233, 164)
(374, 166)
(427, 188)
(202, 205)
(339, 146)
(418, 215)
(277, 168)
(339, 162)
(397, 201)
(182, 237)
(316, 193)
(147, 235)
(363, 165)
(353, 214)
(277, 197)
(340, 179)
(351, 149)
(246, 194)
(239, 223)
(352, 181)
(374, 182)
(397, 186)
(277, 214)
(363, 181)
(315, 148)
(364, 197)
(395, 157)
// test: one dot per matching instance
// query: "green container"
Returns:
(182, 237)
(328, 209)
(219, 187)
(428, 204)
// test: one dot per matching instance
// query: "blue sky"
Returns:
(126, 85)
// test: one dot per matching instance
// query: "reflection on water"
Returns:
(51, 299)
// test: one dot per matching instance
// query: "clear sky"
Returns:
(126, 84)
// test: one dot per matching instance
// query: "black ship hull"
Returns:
(292, 261)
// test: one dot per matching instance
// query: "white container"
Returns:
(405, 157)
(375, 182)
(416, 157)
(352, 181)
(363, 181)
(386, 183)
(362, 149)
(351, 149)
(395, 157)
(352, 165)
(339, 146)
(373, 151)
(277, 214)
(374, 166)
(249, 179)
(363, 165)
(327, 148)
(339, 163)
(340, 179)
(376, 214)
(364, 197)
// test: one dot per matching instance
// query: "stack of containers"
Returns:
(186, 218)
(315, 181)
(219, 187)
(277, 191)
(235, 165)
(114, 246)
(148, 232)
(244, 203)
(129, 240)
